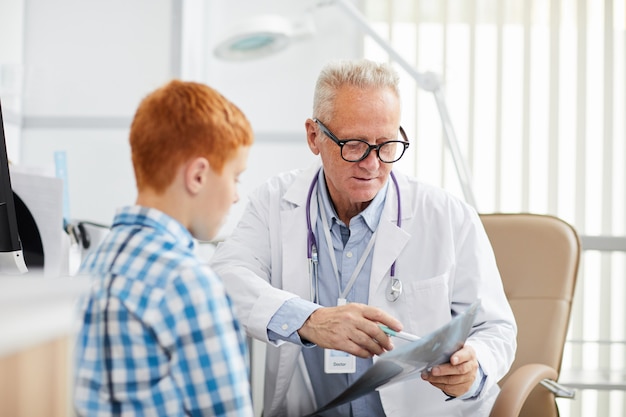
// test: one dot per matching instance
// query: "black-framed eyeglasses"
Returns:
(355, 150)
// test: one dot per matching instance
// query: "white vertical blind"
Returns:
(537, 94)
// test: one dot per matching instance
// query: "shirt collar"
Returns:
(371, 214)
(155, 219)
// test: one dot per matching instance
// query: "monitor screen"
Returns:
(11, 256)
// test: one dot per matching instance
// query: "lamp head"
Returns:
(260, 36)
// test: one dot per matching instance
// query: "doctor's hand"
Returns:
(456, 377)
(352, 328)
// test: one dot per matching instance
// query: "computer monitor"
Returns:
(11, 255)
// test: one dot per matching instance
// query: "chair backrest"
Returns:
(538, 257)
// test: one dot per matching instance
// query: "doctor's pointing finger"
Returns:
(351, 328)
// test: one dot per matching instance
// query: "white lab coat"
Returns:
(443, 258)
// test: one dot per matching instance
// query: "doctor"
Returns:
(322, 256)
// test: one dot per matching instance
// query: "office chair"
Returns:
(538, 258)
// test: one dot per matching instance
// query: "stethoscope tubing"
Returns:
(312, 241)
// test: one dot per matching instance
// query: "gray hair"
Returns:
(361, 74)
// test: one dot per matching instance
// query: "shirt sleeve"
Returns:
(288, 319)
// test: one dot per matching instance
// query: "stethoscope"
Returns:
(394, 289)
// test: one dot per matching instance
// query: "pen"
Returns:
(402, 335)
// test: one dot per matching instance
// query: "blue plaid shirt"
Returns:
(158, 335)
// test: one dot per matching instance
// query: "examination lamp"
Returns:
(261, 36)
(265, 35)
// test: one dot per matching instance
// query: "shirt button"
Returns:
(349, 254)
(284, 327)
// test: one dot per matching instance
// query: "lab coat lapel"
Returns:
(390, 239)
(294, 235)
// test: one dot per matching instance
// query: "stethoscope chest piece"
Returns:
(394, 290)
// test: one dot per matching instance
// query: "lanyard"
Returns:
(312, 244)
(333, 260)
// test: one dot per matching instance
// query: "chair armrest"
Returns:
(518, 387)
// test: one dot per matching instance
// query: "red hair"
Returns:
(178, 122)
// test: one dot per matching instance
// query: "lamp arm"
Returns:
(453, 145)
(428, 82)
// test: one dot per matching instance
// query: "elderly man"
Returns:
(383, 248)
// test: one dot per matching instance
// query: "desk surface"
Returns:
(34, 309)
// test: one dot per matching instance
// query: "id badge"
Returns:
(339, 362)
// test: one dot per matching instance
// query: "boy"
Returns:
(158, 335)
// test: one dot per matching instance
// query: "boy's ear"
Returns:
(196, 174)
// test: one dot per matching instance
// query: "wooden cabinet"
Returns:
(35, 382)
(38, 323)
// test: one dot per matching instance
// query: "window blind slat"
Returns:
(553, 130)
(526, 110)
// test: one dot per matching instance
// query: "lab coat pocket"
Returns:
(428, 304)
